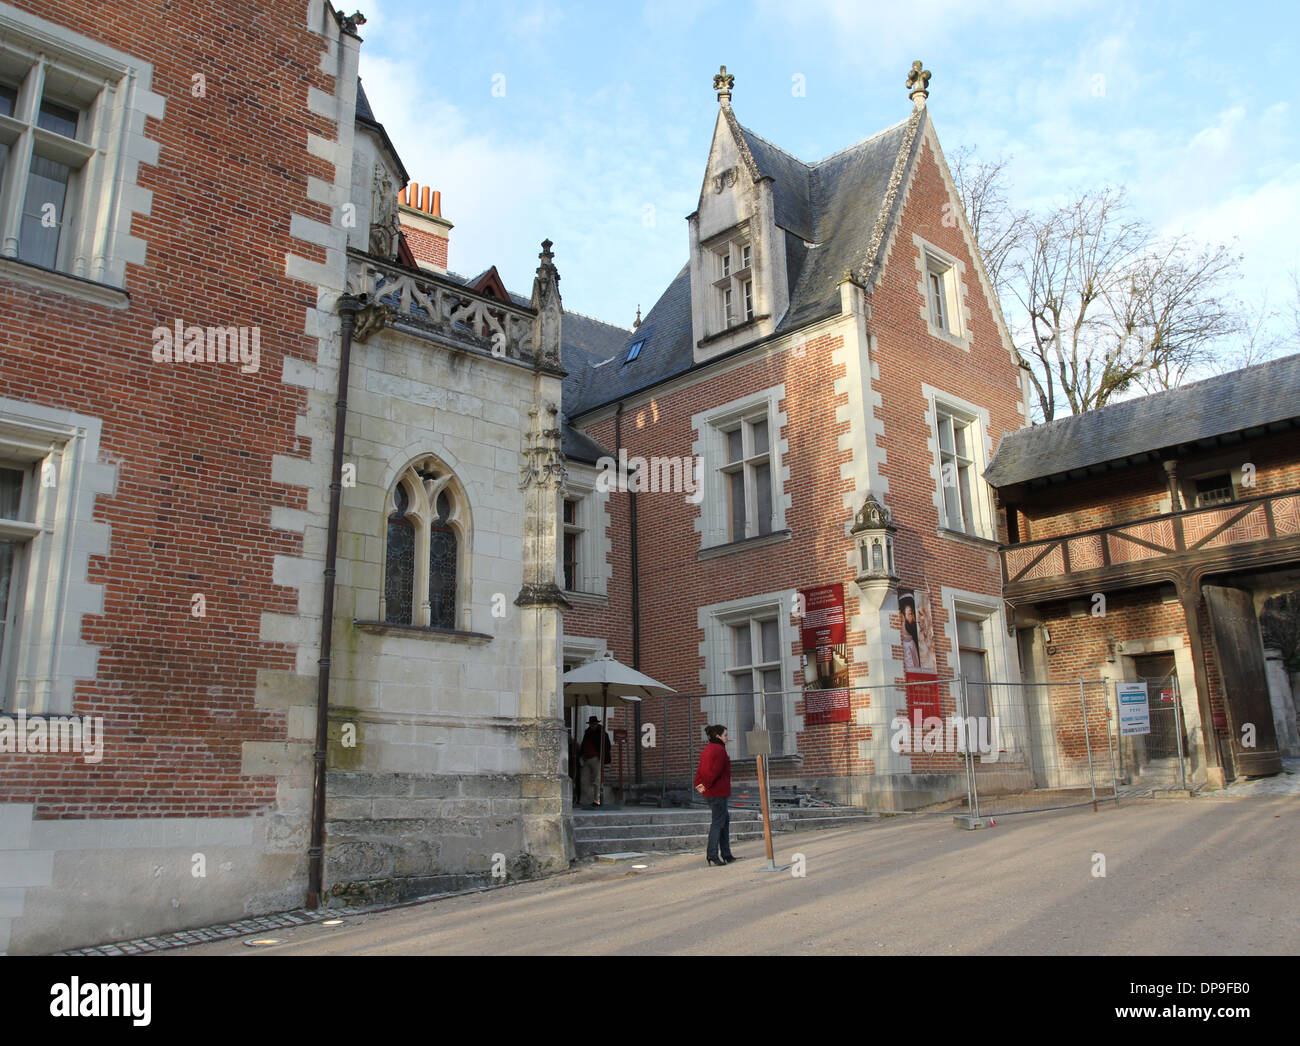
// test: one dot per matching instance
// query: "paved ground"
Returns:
(1285, 783)
(1182, 877)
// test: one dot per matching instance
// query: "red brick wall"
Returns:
(192, 443)
(1141, 491)
(674, 582)
(426, 247)
(1082, 644)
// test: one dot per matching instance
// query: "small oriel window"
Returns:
(1214, 490)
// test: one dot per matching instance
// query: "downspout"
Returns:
(348, 305)
(636, 595)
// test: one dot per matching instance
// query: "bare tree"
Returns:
(997, 227)
(1103, 305)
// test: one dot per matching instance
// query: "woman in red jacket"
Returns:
(713, 781)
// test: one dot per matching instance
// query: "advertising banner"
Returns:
(919, 664)
(826, 656)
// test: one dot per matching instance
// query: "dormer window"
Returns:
(734, 286)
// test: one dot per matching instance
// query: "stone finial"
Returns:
(546, 300)
(723, 82)
(918, 83)
(637, 322)
(546, 271)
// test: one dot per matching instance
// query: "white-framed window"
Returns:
(743, 494)
(426, 550)
(972, 654)
(958, 436)
(976, 631)
(571, 544)
(750, 671)
(941, 292)
(583, 533)
(71, 141)
(733, 280)
(18, 530)
(963, 499)
(747, 475)
(50, 477)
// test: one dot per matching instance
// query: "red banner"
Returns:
(826, 656)
(826, 706)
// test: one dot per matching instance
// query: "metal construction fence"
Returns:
(948, 746)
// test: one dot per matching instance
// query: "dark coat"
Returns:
(590, 747)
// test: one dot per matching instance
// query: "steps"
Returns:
(667, 831)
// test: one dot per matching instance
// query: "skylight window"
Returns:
(634, 351)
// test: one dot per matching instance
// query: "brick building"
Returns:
(311, 525)
(199, 224)
(1143, 541)
(810, 403)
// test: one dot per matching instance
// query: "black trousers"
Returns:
(719, 828)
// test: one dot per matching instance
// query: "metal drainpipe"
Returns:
(636, 595)
(348, 305)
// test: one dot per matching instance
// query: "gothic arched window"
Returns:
(442, 566)
(399, 561)
(428, 523)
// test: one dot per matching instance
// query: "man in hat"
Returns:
(589, 752)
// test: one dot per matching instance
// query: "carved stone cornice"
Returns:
(428, 305)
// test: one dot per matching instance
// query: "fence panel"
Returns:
(1055, 746)
(942, 747)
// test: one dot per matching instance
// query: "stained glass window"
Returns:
(442, 575)
(420, 532)
(399, 565)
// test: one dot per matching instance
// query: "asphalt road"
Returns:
(1182, 877)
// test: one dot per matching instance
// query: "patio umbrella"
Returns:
(609, 680)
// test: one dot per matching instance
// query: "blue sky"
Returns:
(599, 129)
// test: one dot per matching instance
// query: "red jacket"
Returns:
(715, 770)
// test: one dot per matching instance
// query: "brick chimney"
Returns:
(420, 213)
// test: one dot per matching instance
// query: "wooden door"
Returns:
(1240, 656)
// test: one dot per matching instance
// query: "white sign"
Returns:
(1134, 713)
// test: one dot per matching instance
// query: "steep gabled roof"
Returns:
(791, 183)
(366, 117)
(831, 212)
(1260, 397)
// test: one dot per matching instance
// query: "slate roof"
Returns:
(833, 203)
(366, 117)
(1263, 395)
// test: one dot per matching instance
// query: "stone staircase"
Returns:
(636, 829)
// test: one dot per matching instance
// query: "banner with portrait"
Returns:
(920, 665)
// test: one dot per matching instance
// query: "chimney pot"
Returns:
(437, 205)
